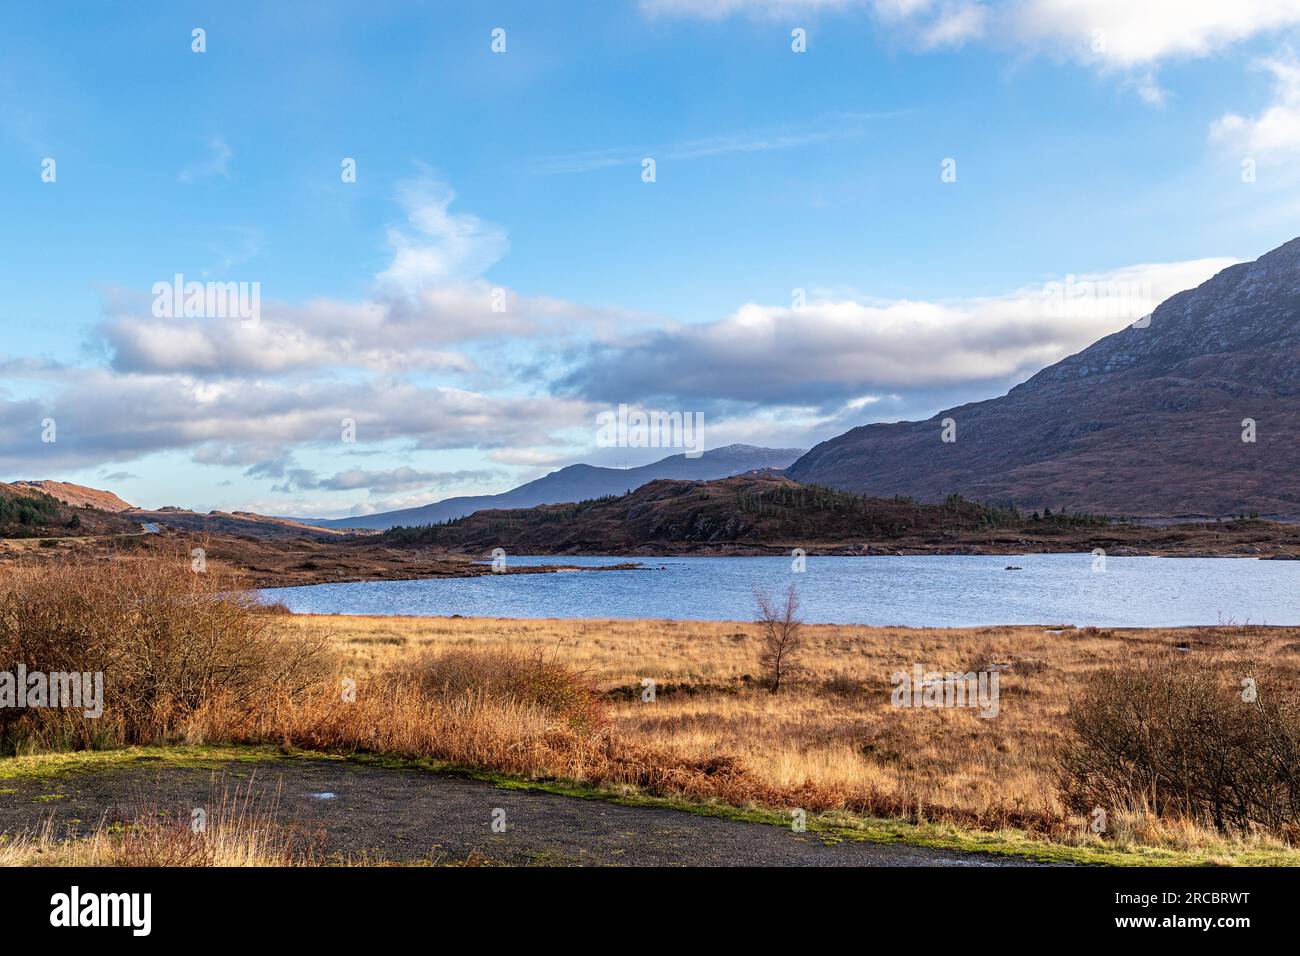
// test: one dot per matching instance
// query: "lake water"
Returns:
(929, 591)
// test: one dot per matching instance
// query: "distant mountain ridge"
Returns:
(579, 483)
(1148, 421)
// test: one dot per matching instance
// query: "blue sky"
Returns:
(1090, 140)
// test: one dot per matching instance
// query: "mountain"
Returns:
(79, 496)
(1145, 422)
(763, 513)
(579, 483)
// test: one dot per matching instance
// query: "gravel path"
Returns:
(365, 813)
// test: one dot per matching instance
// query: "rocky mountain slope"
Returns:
(1147, 421)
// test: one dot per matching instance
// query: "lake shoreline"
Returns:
(1079, 589)
(479, 568)
(1048, 627)
(458, 565)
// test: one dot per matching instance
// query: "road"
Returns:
(351, 811)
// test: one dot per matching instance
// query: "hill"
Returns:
(62, 509)
(579, 483)
(79, 496)
(1145, 422)
(768, 514)
(243, 523)
(28, 512)
(762, 511)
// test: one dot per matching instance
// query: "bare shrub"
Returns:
(1179, 735)
(781, 628)
(170, 643)
(549, 685)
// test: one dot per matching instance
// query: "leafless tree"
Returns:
(782, 635)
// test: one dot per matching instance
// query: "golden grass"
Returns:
(241, 829)
(834, 741)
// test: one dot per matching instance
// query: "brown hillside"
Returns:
(762, 514)
(79, 496)
(27, 512)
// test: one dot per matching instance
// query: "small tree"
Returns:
(782, 629)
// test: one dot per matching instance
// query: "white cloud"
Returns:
(402, 478)
(955, 24)
(230, 395)
(428, 306)
(1125, 33)
(1130, 38)
(1277, 129)
(440, 245)
(532, 457)
(1137, 33)
(428, 331)
(1149, 88)
(388, 336)
(901, 9)
(107, 417)
(833, 352)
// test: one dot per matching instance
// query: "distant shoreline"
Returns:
(277, 562)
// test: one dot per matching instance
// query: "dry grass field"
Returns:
(1153, 726)
(835, 734)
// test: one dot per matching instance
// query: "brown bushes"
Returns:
(525, 679)
(1184, 737)
(187, 656)
(493, 711)
(170, 643)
